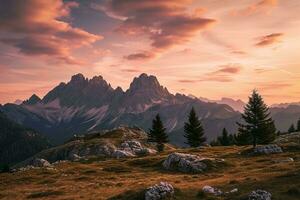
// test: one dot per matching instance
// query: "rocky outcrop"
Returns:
(268, 149)
(122, 154)
(260, 195)
(185, 163)
(37, 162)
(160, 191)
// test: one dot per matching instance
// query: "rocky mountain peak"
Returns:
(147, 84)
(78, 79)
(34, 99)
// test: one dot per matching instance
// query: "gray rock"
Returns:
(284, 160)
(74, 157)
(260, 195)
(163, 190)
(268, 149)
(234, 190)
(211, 190)
(185, 163)
(122, 154)
(39, 162)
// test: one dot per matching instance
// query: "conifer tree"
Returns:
(226, 139)
(292, 129)
(194, 132)
(257, 127)
(158, 133)
(298, 125)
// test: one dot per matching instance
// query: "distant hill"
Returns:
(18, 143)
(237, 105)
(284, 117)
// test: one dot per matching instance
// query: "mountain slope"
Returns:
(284, 117)
(18, 143)
(83, 105)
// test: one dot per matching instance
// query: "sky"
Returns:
(207, 48)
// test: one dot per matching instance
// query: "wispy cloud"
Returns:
(224, 73)
(269, 39)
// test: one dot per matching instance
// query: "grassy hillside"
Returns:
(128, 178)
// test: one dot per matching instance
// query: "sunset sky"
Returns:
(208, 48)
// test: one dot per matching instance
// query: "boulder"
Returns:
(163, 190)
(260, 195)
(185, 163)
(210, 190)
(39, 162)
(268, 149)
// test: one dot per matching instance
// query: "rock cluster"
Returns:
(268, 149)
(134, 147)
(260, 195)
(185, 163)
(163, 190)
(39, 162)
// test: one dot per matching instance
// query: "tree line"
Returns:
(257, 127)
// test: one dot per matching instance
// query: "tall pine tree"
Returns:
(194, 132)
(158, 133)
(258, 126)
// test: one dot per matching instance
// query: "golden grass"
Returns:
(128, 178)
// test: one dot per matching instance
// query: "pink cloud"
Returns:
(263, 6)
(34, 28)
(165, 23)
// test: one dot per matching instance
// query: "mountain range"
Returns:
(85, 105)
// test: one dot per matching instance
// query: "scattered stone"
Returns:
(260, 195)
(185, 163)
(284, 160)
(234, 190)
(39, 162)
(163, 190)
(268, 149)
(211, 190)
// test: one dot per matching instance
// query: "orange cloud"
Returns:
(34, 27)
(269, 39)
(262, 6)
(165, 22)
(145, 55)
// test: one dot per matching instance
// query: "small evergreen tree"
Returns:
(298, 125)
(194, 132)
(258, 126)
(158, 133)
(292, 129)
(224, 139)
